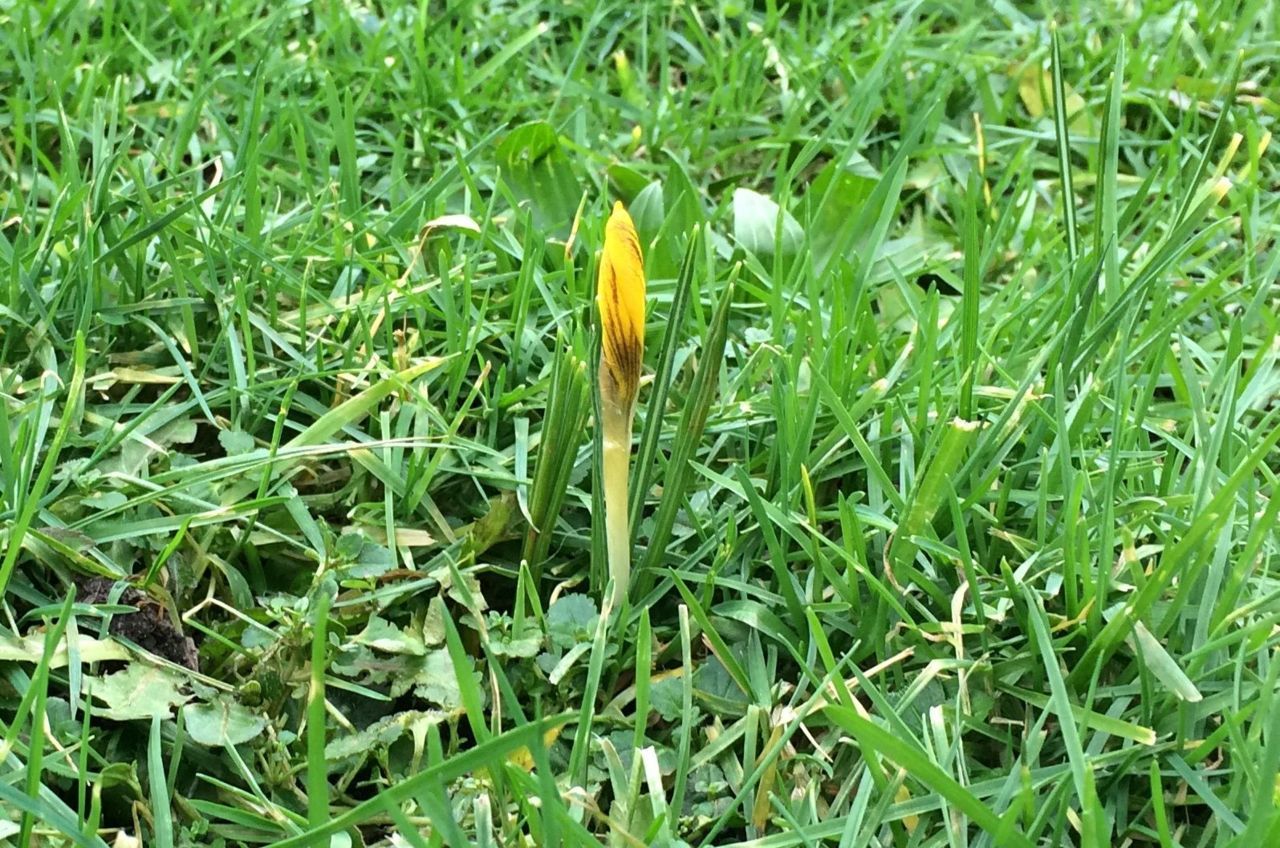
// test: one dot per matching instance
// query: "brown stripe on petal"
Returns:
(620, 298)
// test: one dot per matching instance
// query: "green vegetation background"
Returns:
(956, 504)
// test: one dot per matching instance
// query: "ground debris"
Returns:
(150, 628)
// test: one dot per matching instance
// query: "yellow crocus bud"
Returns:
(620, 298)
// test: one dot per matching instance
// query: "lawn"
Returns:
(954, 469)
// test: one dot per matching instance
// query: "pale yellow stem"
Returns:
(616, 467)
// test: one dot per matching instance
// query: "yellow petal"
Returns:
(911, 822)
(620, 298)
(523, 757)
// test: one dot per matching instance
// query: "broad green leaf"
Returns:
(382, 733)
(539, 174)
(648, 211)
(626, 181)
(835, 200)
(235, 442)
(572, 619)
(437, 680)
(222, 722)
(139, 691)
(755, 226)
(381, 635)
(29, 648)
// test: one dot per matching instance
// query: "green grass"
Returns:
(956, 512)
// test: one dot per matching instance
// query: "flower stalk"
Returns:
(620, 297)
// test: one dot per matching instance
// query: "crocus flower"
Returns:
(620, 299)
